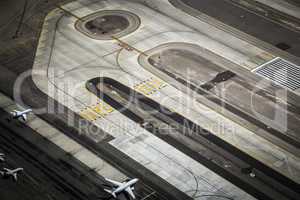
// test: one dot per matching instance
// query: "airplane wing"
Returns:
(114, 182)
(129, 191)
(24, 117)
(6, 169)
(111, 192)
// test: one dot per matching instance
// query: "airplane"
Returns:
(2, 157)
(21, 114)
(6, 173)
(127, 186)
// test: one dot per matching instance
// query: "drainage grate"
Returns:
(281, 72)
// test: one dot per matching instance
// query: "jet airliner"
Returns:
(21, 114)
(118, 187)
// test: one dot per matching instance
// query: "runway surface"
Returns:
(153, 186)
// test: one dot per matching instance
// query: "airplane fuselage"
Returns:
(7, 173)
(20, 113)
(128, 184)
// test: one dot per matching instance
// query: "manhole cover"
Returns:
(283, 46)
(106, 24)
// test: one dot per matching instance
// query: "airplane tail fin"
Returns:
(24, 117)
(15, 174)
(2, 157)
(15, 177)
(6, 169)
(111, 192)
(14, 113)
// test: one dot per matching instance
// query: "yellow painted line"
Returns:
(128, 46)
(88, 114)
(150, 86)
(124, 44)
(69, 13)
(158, 84)
(100, 110)
(267, 56)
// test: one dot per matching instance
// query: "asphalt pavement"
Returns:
(250, 23)
(47, 175)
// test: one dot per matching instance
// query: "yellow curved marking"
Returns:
(88, 114)
(150, 86)
(100, 110)
(103, 109)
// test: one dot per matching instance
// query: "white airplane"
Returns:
(2, 157)
(127, 186)
(6, 173)
(21, 114)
